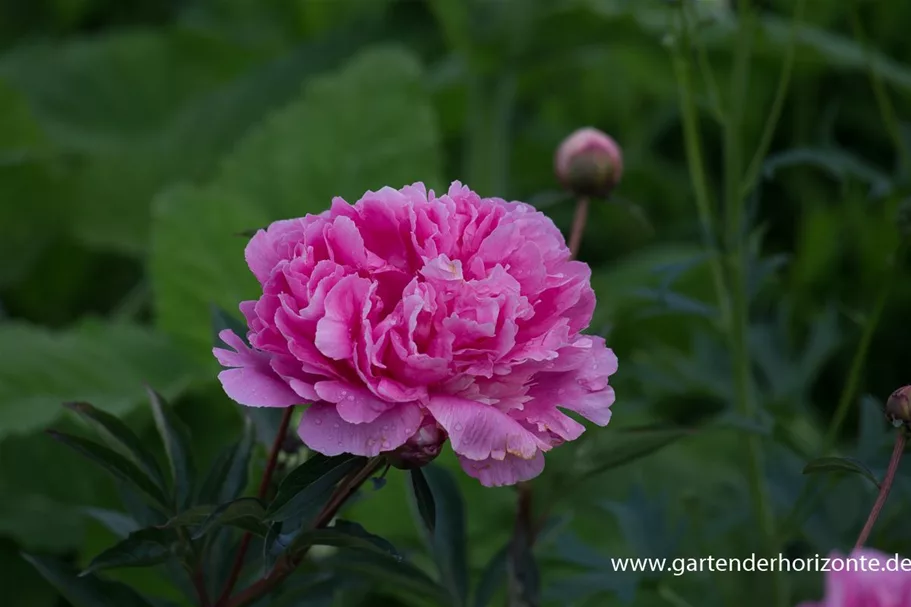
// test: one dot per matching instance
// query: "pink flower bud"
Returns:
(589, 163)
(422, 448)
(898, 407)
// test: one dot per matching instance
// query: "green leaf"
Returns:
(343, 534)
(143, 548)
(177, 446)
(247, 513)
(422, 499)
(118, 523)
(88, 591)
(119, 436)
(632, 444)
(447, 538)
(193, 517)
(114, 463)
(102, 363)
(369, 125)
(838, 163)
(306, 489)
(221, 320)
(227, 478)
(389, 572)
(492, 579)
(840, 465)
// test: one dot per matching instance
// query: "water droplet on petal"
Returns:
(350, 397)
(318, 422)
(458, 427)
(335, 425)
(340, 443)
(561, 391)
(343, 393)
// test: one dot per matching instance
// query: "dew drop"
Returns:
(350, 397)
(335, 425)
(343, 393)
(561, 391)
(385, 428)
(319, 422)
(458, 427)
(340, 443)
(371, 442)
(385, 444)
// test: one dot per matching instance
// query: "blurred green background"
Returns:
(139, 138)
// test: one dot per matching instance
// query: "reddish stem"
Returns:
(575, 236)
(261, 493)
(287, 563)
(884, 489)
(199, 583)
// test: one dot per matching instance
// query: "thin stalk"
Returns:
(784, 83)
(261, 493)
(696, 165)
(578, 229)
(736, 263)
(885, 488)
(705, 68)
(886, 109)
(288, 563)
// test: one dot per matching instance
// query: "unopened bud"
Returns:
(898, 407)
(589, 163)
(422, 448)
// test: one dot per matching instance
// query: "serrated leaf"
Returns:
(102, 363)
(422, 499)
(447, 539)
(227, 478)
(176, 440)
(120, 524)
(842, 465)
(387, 571)
(245, 513)
(305, 490)
(119, 436)
(367, 126)
(114, 463)
(142, 548)
(630, 445)
(88, 591)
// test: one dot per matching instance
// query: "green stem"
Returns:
(737, 290)
(693, 143)
(781, 93)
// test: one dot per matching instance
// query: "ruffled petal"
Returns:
(323, 430)
(508, 471)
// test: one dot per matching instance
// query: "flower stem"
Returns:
(261, 493)
(579, 219)
(288, 563)
(884, 489)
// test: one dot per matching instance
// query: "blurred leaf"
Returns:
(343, 534)
(191, 518)
(119, 436)
(838, 163)
(142, 548)
(306, 488)
(840, 465)
(227, 478)
(102, 363)
(524, 579)
(447, 537)
(176, 441)
(389, 572)
(367, 126)
(422, 500)
(221, 321)
(88, 591)
(492, 579)
(246, 513)
(39, 523)
(631, 444)
(22, 585)
(114, 463)
(118, 523)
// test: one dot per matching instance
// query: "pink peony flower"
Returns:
(407, 318)
(860, 583)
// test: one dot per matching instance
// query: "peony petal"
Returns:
(323, 430)
(480, 431)
(508, 471)
(354, 405)
(255, 387)
(344, 305)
